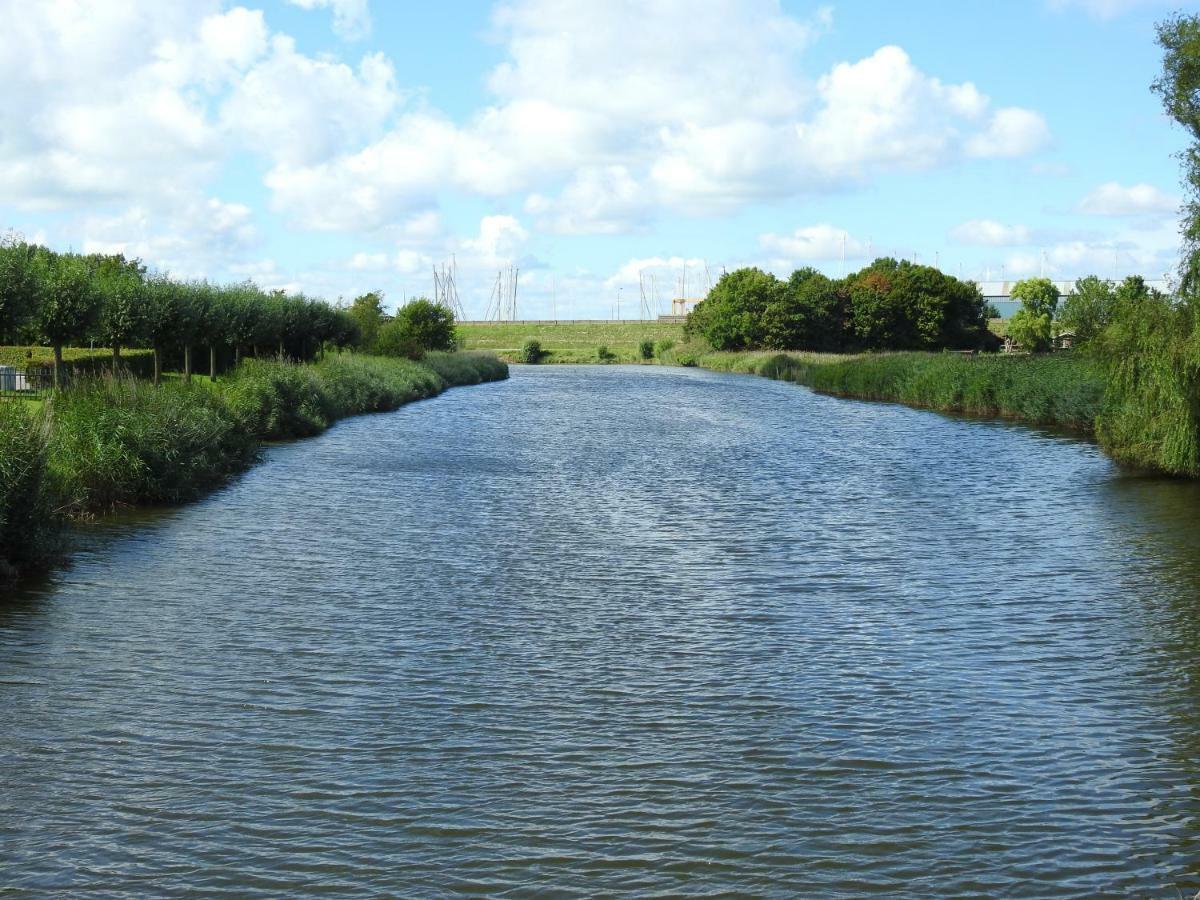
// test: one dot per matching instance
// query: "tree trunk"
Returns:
(57, 366)
(116, 363)
(187, 364)
(237, 354)
(281, 349)
(157, 366)
(212, 362)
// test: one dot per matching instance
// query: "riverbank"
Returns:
(113, 442)
(1062, 391)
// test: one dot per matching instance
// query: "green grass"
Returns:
(29, 517)
(568, 342)
(1062, 390)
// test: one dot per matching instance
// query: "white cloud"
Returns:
(604, 200)
(1011, 132)
(351, 18)
(602, 124)
(989, 233)
(816, 243)
(190, 237)
(1149, 252)
(665, 275)
(1114, 199)
(298, 110)
(499, 242)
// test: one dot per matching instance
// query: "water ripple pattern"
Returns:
(621, 631)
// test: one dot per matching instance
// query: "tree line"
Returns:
(66, 299)
(889, 305)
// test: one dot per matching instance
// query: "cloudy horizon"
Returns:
(340, 146)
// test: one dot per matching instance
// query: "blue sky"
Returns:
(337, 146)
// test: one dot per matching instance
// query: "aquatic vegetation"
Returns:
(29, 518)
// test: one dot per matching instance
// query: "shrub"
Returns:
(604, 354)
(531, 352)
(29, 521)
(277, 400)
(663, 346)
(115, 441)
(646, 348)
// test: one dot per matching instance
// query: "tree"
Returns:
(1179, 89)
(367, 311)
(1030, 330)
(731, 317)
(1088, 309)
(419, 326)
(1037, 295)
(122, 302)
(162, 306)
(18, 286)
(67, 303)
(808, 315)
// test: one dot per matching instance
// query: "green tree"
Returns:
(1030, 330)
(367, 311)
(122, 302)
(1088, 309)
(162, 305)
(419, 326)
(18, 286)
(1179, 89)
(1037, 295)
(67, 303)
(731, 317)
(808, 315)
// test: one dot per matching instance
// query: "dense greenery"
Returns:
(114, 440)
(569, 342)
(29, 535)
(1149, 343)
(1065, 390)
(889, 305)
(60, 299)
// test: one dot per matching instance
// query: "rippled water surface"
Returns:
(621, 630)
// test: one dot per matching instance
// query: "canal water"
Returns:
(621, 631)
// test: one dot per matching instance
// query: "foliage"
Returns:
(1031, 325)
(1179, 89)
(731, 317)
(886, 306)
(29, 534)
(531, 352)
(367, 314)
(427, 325)
(18, 286)
(604, 354)
(1088, 309)
(1037, 295)
(116, 441)
(645, 348)
(1031, 331)
(1065, 391)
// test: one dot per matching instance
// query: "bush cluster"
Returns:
(889, 305)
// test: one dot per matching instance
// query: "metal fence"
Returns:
(32, 382)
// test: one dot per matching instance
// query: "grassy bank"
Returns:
(111, 442)
(569, 342)
(1064, 390)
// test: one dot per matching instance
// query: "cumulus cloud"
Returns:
(1114, 199)
(351, 18)
(298, 110)
(816, 243)
(989, 233)
(603, 125)
(190, 238)
(1152, 251)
